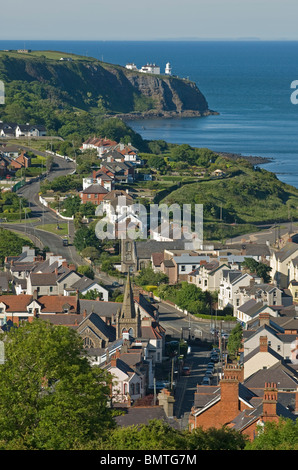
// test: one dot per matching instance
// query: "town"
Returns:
(199, 335)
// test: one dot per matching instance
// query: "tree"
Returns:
(216, 439)
(156, 435)
(235, 339)
(56, 399)
(149, 277)
(261, 269)
(11, 244)
(86, 271)
(276, 436)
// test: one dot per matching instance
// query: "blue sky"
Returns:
(149, 20)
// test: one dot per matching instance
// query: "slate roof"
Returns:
(286, 251)
(104, 309)
(95, 189)
(146, 248)
(43, 279)
(141, 415)
(280, 373)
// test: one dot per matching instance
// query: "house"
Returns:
(22, 161)
(264, 355)
(30, 130)
(130, 153)
(136, 255)
(99, 144)
(83, 285)
(18, 308)
(7, 129)
(139, 413)
(281, 334)
(230, 282)
(250, 310)
(208, 275)
(129, 382)
(124, 172)
(234, 405)
(93, 193)
(282, 264)
(99, 177)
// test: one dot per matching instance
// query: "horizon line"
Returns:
(182, 39)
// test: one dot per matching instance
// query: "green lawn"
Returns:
(62, 231)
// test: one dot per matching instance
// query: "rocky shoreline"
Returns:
(251, 159)
(161, 115)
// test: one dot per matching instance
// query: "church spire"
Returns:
(128, 306)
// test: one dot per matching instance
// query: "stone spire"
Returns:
(128, 320)
(128, 306)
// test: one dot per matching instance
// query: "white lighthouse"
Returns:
(168, 69)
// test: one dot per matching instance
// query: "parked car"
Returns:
(208, 373)
(225, 335)
(214, 358)
(185, 370)
(210, 365)
(206, 381)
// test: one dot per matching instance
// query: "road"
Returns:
(41, 215)
(178, 325)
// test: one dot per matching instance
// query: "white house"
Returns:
(27, 130)
(230, 282)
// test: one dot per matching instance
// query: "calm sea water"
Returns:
(248, 83)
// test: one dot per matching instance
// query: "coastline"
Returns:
(155, 114)
(250, 158)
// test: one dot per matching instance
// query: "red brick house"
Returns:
(233, 405)
(93, 193)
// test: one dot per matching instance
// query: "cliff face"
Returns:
(104, 88)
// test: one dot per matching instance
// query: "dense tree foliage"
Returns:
(11, 244)
(282, 435)
(56, 399)
(258, 268)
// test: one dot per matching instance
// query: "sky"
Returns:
(149, 20)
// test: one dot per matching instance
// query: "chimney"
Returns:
(263, 344)
(64, 264)
(229, 390)
(269, 400)
(72, 267)
(113, 361)
(35, 296)
(146, 321)
(166, 400)
(264, 318)
(56, 271)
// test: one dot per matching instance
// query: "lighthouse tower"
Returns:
(168, 69)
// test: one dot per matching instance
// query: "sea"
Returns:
(248, 83)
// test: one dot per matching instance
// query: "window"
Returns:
(88, 343)
(183, 268)
(51, 288)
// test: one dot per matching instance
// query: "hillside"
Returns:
(85, 84)
(245, 197)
